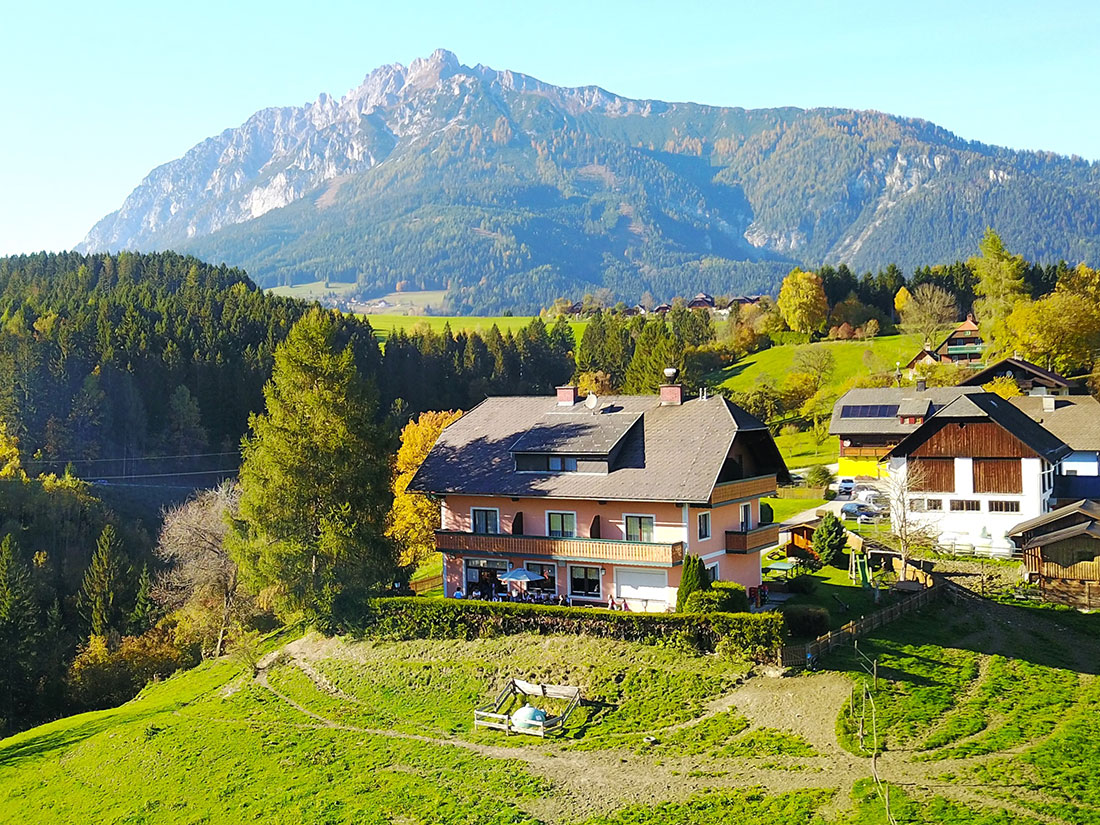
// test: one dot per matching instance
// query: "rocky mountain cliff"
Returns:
(509, 192)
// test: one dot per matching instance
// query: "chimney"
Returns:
(1050, 403)
(567, 395)
(922, 385)
(672, 395)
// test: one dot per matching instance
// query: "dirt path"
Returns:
(597, 782)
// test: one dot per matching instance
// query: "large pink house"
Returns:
(602, 499)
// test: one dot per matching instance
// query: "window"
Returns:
(918, 505)
(1004, 506)
(639, 528)
(965, 505)
(712, 572)
(562, 464)
(561, 525)
(584, 582)
(704, 526)
(548, 584)
(934, 504)
(746, 516)
(485, 520)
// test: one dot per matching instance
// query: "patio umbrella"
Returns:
(521, 574)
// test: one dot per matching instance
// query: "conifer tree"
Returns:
(143, 615)
(18, 633)
(657, 349)
(100, 599)
(315, 480)
(693, 577)
(1000, 285)
(829, 539)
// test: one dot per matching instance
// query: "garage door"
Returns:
(643, 589)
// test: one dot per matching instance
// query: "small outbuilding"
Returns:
(1062, 553)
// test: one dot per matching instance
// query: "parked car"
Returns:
(855, 509)
(871, 496)
(846, 486)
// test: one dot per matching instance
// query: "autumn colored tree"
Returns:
(802, 301)
(414, 517)
(1060, 331)
(1000, 285)
(927, 311)
(1004, 386)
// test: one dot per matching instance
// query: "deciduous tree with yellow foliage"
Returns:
(414, 517)
(802, 301)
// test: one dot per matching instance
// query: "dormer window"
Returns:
(529, 463)
(562, 464)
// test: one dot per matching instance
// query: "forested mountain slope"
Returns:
(511, 192)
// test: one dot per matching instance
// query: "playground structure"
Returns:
(511, 711)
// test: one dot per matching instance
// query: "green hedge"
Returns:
(757, 635)
(721, 597)
(806, 621)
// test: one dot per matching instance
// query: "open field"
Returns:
(799, 450)
(785, 508)
(985, 714)
(314, 291)
(851, 361)
(385, 324)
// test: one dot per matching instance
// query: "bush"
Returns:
(806, 621)
(100, 677)
(757, 635)
(802, 584)
(788, 338)
(819, 476)
(722, 597)
(766, 513)
(807, 556)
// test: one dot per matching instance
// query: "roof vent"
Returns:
(670, 373)
(1050, 403)
(567, 395)
(922, 385)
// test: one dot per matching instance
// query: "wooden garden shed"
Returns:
(1062, 553)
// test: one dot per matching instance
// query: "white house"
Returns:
(975, 469)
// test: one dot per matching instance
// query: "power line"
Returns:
(229, 471)
(128, 458)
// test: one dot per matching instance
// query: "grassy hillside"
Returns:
(385, 323)
(337, 731)
(851, 360)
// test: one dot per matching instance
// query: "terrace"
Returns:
(560, 549)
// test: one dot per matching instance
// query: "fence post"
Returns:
(876, 672)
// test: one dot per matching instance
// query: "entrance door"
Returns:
(643, 590)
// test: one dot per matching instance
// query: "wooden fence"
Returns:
(422, 586)
(805, 654)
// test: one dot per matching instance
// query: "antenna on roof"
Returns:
(592, 401)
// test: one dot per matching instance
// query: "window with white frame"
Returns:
(1004, 506)
(746, 516)
(704, 526)
(584, 582)
(712, 572)
(485, 520)
(561, 525)
(639, 528)
(548, 584)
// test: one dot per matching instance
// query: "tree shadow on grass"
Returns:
(31, 745)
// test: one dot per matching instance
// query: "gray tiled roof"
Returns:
(673, 453)
(1075, 419)
(993, 407)
(987, 374)
(905, 398)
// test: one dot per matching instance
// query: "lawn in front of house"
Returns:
(785, 508)
(799, 450)
(837, 593)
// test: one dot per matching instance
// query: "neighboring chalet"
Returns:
(870, 421)
(662, 309)
(983, 465)
(964, 345)
(1062, 553)
(701, 301)
(1030, 378)
(602, 497)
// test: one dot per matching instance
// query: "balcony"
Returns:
(749, 541)
(560, 549)
(754, 487)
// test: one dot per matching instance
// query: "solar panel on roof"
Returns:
(869, 411)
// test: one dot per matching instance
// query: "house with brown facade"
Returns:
(1062, 553)
(601, 498)
(963, 345)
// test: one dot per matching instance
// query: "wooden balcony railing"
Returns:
(745, 488)
(863, 452)
(560, 549)
(741, 541)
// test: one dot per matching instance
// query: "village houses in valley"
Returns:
(602, 497)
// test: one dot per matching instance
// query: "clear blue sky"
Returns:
(94, 95)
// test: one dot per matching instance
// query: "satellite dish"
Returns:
(591, 401)
(670, 372)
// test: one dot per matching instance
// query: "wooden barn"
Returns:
(1062, 553)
